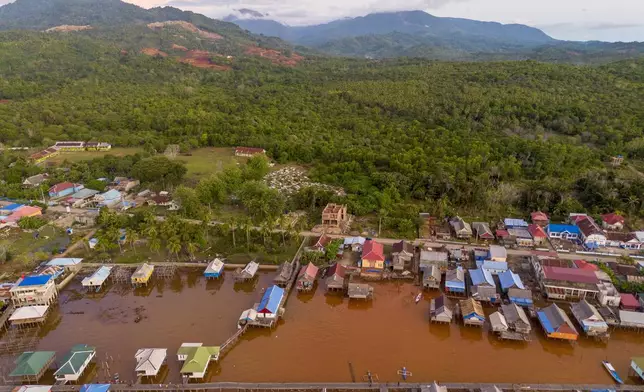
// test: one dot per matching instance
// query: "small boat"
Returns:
(419, 297)
(613, 372)
(404, 373)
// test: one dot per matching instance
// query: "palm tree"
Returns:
(174, 246)
(283, 228)
(131, 236)
(266, 229)
(382, 214)
(231, 224)
(192, 247)
(633, 201)
(155, 244)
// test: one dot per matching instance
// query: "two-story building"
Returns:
(34, 290)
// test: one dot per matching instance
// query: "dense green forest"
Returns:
(477, 138)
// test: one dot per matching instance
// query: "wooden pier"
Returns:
(165, 272)
(122, 275)
(340, 387)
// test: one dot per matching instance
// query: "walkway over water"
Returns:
(393, 387)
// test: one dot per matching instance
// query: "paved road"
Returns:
(391, 241)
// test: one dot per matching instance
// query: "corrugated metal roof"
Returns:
(560, 228)
(629, 301)
(481, 277)
(110, 195)
(29, 312)
(497, 251)
(98, 277)
(64, 261)
(271, 300)
(632, 318)
(74, 360)
(95, 388)
(150, 360)
(214, 266)
(30, 363)
(574, 275)
(513, 222)
(509, 279)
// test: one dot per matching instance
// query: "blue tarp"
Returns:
(509, 279)
(95, 388)
(521, 301)
(35, 280)
(271, 300)
(545, 322)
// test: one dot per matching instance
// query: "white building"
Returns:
(149, 361)
(34, 290)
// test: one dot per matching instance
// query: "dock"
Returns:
(340, 387)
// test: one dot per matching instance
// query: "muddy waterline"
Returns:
(318, 338)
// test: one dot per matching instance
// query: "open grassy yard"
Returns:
(87, 155)
(25, 251)
(205, 161)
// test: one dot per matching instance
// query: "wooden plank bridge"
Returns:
(230, 342)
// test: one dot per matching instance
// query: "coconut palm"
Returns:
(131, 236)
(174, 245)
(231, 224)
(155, 244)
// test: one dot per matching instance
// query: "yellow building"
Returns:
(142, 275)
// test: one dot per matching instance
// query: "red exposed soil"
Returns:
(153, 52)
(201, 59)
(275, 56)
(187, 26)
(4, 101)
(179, 47)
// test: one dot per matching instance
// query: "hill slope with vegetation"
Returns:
(476, 138)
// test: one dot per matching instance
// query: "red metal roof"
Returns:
(323, 241)
(502, 234)
(583, 264)
(373, 251)
(536, 231)
(629, 301)
(337, 269)
(310, 271)
(574, 275)
(588, 226)
(61, 187)
(538, 216)
(612, 218)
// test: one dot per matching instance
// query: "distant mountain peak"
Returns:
(251, 13)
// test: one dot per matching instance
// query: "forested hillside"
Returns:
(478, 137)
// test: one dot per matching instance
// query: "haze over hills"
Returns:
(419, 34)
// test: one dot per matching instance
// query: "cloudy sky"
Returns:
(607, 20)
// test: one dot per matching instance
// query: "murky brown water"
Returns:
(318, 338)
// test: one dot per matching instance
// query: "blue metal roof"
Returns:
(455, 285)
(95, 388)
(11, 207)
(111, 194)
(560, 228)
(512, 222)
(545, 322)
(480, 276)
(35, 280)
(271, 300)
(510, 279)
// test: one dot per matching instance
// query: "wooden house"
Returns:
(556, 323)
(247, 273)
(516, 318)
(432, 277)
(427, 258)
(214, 269)
(498, 322)
(521, 297)
(284, 272)
(612, 221)
(440, 310)
(360, 291)
(97, 279)
(306, 277)
(482, 231)
(538, 234)
(472, 312)
(402, 255)
(461, 229)
(509, 280)
(589, 318)
(455, 281)
(196, 357)
(372, 259)
(483, 287)
(142, 275)
(270, 304)
(321, 243)
(74, 363)
(149, 361)
(335, 277)
(32, 365)
(29, 315)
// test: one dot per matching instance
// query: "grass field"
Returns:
(87, 155)
(205, 161)
(27, 251)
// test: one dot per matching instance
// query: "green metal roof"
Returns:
(74, 359)
(31, 363)
(197, 358)
(639, 361)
